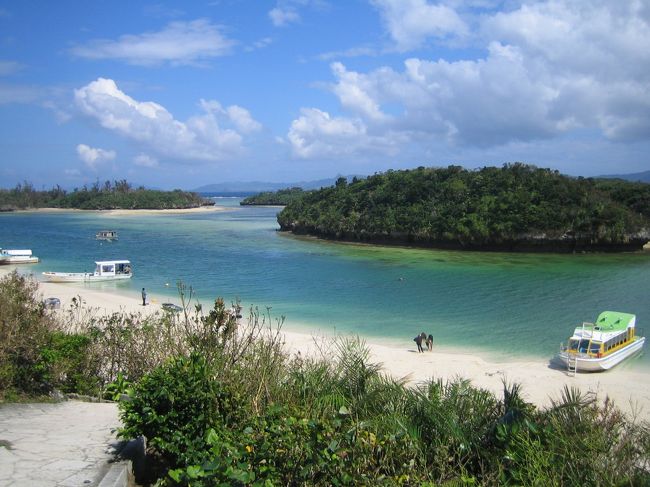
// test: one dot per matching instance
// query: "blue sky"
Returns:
(182, 94)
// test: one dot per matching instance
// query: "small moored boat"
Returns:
(106, 235)
(108, 270)
(600, 346)
(17, 257)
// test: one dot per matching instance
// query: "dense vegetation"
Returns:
(221, 403)
(281, 197)
(516, 207)
(118, 195)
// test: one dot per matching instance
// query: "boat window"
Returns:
(107, 268)
(573, 345)
(595, 347)
(584, 346)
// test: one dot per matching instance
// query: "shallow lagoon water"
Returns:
(503, 305)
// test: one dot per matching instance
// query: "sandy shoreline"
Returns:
(136, 212)
(629, 387)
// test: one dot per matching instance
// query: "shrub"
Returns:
(24, 331)
(174, 407)
(67, 364)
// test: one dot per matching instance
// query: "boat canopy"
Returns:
(112, 267)
(611, 321)
(16, 252)
(108, 262)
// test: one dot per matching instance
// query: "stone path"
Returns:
(65, 444)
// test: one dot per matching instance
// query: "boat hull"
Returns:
(81, 277)
(18, 259)
(585, 363)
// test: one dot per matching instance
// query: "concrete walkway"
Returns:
(65, 444)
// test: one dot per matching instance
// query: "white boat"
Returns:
(106, 235)
(594, 347)
(17, 257)
(107, 270)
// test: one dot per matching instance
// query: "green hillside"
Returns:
(516, 207)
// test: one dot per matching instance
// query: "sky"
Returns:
(184, 94)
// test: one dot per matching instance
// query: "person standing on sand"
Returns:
(418, 342)
(430, 343)
(144, 297)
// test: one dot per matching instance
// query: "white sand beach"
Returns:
(137, 212)
(628, 387)
(180, 211)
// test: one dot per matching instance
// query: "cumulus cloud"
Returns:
(242, 119)
(180, 43)
(549, 68)
(357, 93)
(201, 138)
(92, 157)
(316, 134)
(145, 160)
(411, 22)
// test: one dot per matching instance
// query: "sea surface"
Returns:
(503, 306)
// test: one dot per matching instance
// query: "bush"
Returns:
(174, 407)
(25, 330)
(67, 363)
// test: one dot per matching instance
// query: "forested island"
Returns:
(273, 198)
(517, 207)
(109, 196)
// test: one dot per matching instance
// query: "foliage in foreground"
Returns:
(221, 403)
(342, 422)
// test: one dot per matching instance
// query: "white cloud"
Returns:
(242, 119)
(411, 22)
(288, 11)
(357, 93)
(180, 43)
(282, 16)
(550, 68)
(260, 44)
(200, 138)
(145, 160)
(93, 157)
(315, 134)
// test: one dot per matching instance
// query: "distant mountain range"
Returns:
(643, 177)
(247, 188)
(259, 186)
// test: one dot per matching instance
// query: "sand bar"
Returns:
(627, 386)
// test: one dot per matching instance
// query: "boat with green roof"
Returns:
(600, 346)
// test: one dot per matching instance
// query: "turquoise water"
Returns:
(504, 305)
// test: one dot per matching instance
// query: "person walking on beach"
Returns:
(430, 343)
(144, 297)
(418, 341)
